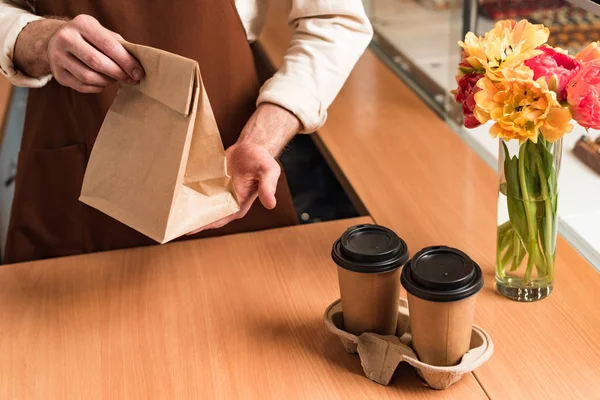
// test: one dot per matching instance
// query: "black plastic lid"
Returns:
(441, 273)
(370, 249)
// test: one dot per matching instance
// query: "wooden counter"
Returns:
(415, 175)
(237, 317)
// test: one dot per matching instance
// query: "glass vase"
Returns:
(527, 218)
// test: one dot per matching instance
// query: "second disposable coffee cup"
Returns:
(441, 283)
(369, 258)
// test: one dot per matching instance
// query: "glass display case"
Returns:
(414, 37)
(418, 39)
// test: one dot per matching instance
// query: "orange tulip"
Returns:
(521, 109)
(501, 52)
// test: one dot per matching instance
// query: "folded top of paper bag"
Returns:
(169, 78)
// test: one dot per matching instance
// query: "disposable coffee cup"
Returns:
(441, 283)
(369, 258)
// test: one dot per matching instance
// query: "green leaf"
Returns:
(516, 208)
(548, 166)
(504, 241)
(519, 253)
(531, 172)
(547, 161)
(549, 221)
(509, 255)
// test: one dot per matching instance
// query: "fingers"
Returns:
(255, 174)
(91, 54)
(65, 78)
(117, 36)
(85, 74)
(268, 185)
(108, 43)
(99, 62)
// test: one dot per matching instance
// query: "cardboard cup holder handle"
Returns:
(381, 355)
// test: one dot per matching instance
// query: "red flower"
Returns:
(465, 95)
(557, 68)
(584, 95)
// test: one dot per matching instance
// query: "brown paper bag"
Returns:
(158, 164)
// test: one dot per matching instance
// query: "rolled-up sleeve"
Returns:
(12, 21)
(329, 38)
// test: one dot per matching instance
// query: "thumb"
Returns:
(268, 185)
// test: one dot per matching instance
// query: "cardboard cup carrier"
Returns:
(380, 355)
(437, 337)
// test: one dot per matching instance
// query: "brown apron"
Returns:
(47, 220)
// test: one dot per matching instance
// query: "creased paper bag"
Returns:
(158, 164)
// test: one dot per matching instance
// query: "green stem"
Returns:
(529, 216)
(548, 221)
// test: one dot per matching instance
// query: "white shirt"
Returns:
(329, 37)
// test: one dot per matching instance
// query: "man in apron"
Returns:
(79, 47)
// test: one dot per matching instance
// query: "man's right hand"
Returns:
(80, 53)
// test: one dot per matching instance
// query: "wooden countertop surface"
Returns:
(415, 175)
(236, 317)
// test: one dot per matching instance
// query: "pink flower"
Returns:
(465, 95)
(557, 68)
(583, 95)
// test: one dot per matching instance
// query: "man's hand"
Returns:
(251, 160)
(80, 53)
(255, 174)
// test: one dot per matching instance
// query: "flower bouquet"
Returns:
(531, 92)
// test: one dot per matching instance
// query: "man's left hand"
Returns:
(252, 163)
